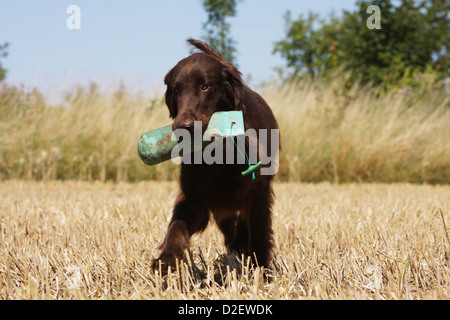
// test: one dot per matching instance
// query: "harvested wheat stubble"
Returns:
(80, 240)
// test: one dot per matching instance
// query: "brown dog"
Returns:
(198, 86)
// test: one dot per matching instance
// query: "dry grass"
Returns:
(395, 137)
(326, 135)
(81, 240)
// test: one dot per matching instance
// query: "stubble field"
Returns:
(92, 240)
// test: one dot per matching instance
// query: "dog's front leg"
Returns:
(190, 215)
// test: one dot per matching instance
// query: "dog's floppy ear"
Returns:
(234, 87)
(233, 81)
(170, 96)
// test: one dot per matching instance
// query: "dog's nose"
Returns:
(185, 124)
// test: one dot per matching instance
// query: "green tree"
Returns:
(3, 54)
(414, 38)
(217, 29)
(309, 50)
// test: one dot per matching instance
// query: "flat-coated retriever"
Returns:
(198, 86)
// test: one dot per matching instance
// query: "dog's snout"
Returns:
(184, 124)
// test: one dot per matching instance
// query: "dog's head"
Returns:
(200, 85)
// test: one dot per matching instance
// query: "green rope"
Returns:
(251, 168)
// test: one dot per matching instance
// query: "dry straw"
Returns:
(87, 240)
(328, 134)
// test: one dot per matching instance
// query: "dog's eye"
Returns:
(204, 87)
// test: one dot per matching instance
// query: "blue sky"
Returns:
(135, 41)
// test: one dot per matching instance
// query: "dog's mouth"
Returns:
(191, 128)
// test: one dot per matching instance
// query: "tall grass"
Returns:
(92, 137)
(326, 134)
(363, 135)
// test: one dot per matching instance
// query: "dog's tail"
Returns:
(204, 47)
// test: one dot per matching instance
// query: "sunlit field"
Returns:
(82, 217)
(328, 133)
(92, 240)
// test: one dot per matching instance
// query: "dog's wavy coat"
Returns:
(199, 85)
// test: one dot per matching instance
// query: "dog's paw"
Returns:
(163, 263)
